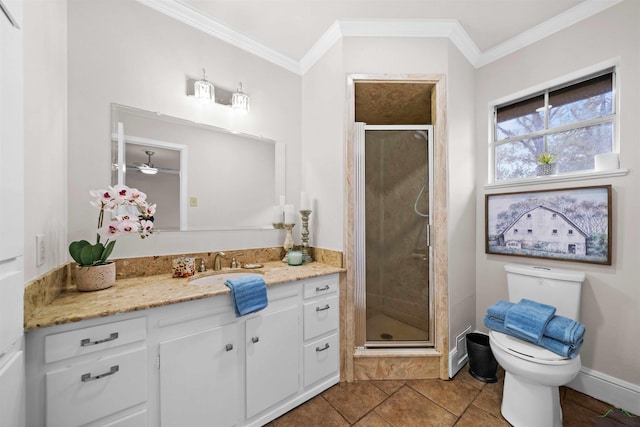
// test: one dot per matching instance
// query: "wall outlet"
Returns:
(41, 250)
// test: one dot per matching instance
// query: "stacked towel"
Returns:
(528, 320)
(249, 293)
(560, 335)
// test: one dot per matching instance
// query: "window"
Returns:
(554, 232)
(515, 231)
(528, 215)
(572, 122)
(570, 232)
(529, 231)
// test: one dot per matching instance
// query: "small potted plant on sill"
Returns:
(547, 164)
(93, 271)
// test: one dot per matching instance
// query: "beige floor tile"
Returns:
(354, 400)
(315, 412)
(372, 420)
(476, 417)
(490, 399)
(388, 386)
(408, 408)
(454, 396)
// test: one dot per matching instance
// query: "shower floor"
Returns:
(381, 327)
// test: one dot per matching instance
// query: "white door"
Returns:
(12, 391)
(199, 383)
(273, 345)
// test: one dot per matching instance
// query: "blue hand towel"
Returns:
(499, 309)
(528, 320)
(570, 350)
(249, 294)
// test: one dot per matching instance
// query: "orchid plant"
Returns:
(124, 201)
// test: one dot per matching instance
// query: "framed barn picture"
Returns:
(571, 224)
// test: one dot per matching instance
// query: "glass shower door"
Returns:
(396, 214)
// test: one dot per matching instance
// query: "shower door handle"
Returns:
(428, 235)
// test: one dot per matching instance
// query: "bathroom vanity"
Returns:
(190, 363)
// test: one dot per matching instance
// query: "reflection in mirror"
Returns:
(203, 177)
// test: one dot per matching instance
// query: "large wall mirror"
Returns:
(201, 177)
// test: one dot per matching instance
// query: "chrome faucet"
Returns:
(216, 261)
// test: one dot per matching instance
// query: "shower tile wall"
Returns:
(397, 263)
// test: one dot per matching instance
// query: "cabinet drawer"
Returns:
(88, 340)
(88, 391)
(320, 316)
(321, 286)
(320, 359)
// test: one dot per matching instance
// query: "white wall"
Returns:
(611, 294)
(461, 214)
(45, 133)
(127, 53)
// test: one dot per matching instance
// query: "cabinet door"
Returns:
(199, 379)
(12, 389)
(273, 344)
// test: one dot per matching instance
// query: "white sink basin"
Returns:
(219, 279)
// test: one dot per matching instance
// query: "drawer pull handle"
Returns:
(229, 347)
(326, 307)
(255, 339)
(87, 377)
(324, 288)
(326, 347)
(86, 342)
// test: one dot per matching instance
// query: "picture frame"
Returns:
(569, 224)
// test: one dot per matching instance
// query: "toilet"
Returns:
(533, 374)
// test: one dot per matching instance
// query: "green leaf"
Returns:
(107, 251)
(75, 248)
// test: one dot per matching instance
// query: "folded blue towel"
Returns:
(499, 309)
(559, 328)
(570, 350)
(528, 319)
(564, 329)
(249, 294)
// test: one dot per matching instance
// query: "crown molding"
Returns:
(551, 26)
(445, 28)
(186, 14)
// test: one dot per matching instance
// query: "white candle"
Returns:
(305, 204)
(278, 214)
(281, 200)
(288, 214)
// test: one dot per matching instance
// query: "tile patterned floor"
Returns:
(462, 401)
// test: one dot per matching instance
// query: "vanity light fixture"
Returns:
(240, 100)
(147, 168)
(203, 90)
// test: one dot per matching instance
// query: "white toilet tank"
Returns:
(553, 286)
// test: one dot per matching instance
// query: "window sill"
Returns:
(566, 177)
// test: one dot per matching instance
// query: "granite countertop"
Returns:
(154, 291)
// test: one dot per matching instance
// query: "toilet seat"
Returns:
(526, 350)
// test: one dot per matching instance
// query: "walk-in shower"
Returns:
(394, 285)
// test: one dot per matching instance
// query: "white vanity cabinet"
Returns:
(87, 374)
(188, 364)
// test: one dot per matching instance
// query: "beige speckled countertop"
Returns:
(140, 293)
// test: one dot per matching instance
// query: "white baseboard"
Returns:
(456, 362)
(614, 391)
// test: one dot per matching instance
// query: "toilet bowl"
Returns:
(533, 375)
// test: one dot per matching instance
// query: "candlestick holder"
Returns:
(304, 214)
(278, 225)
(288, 241)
